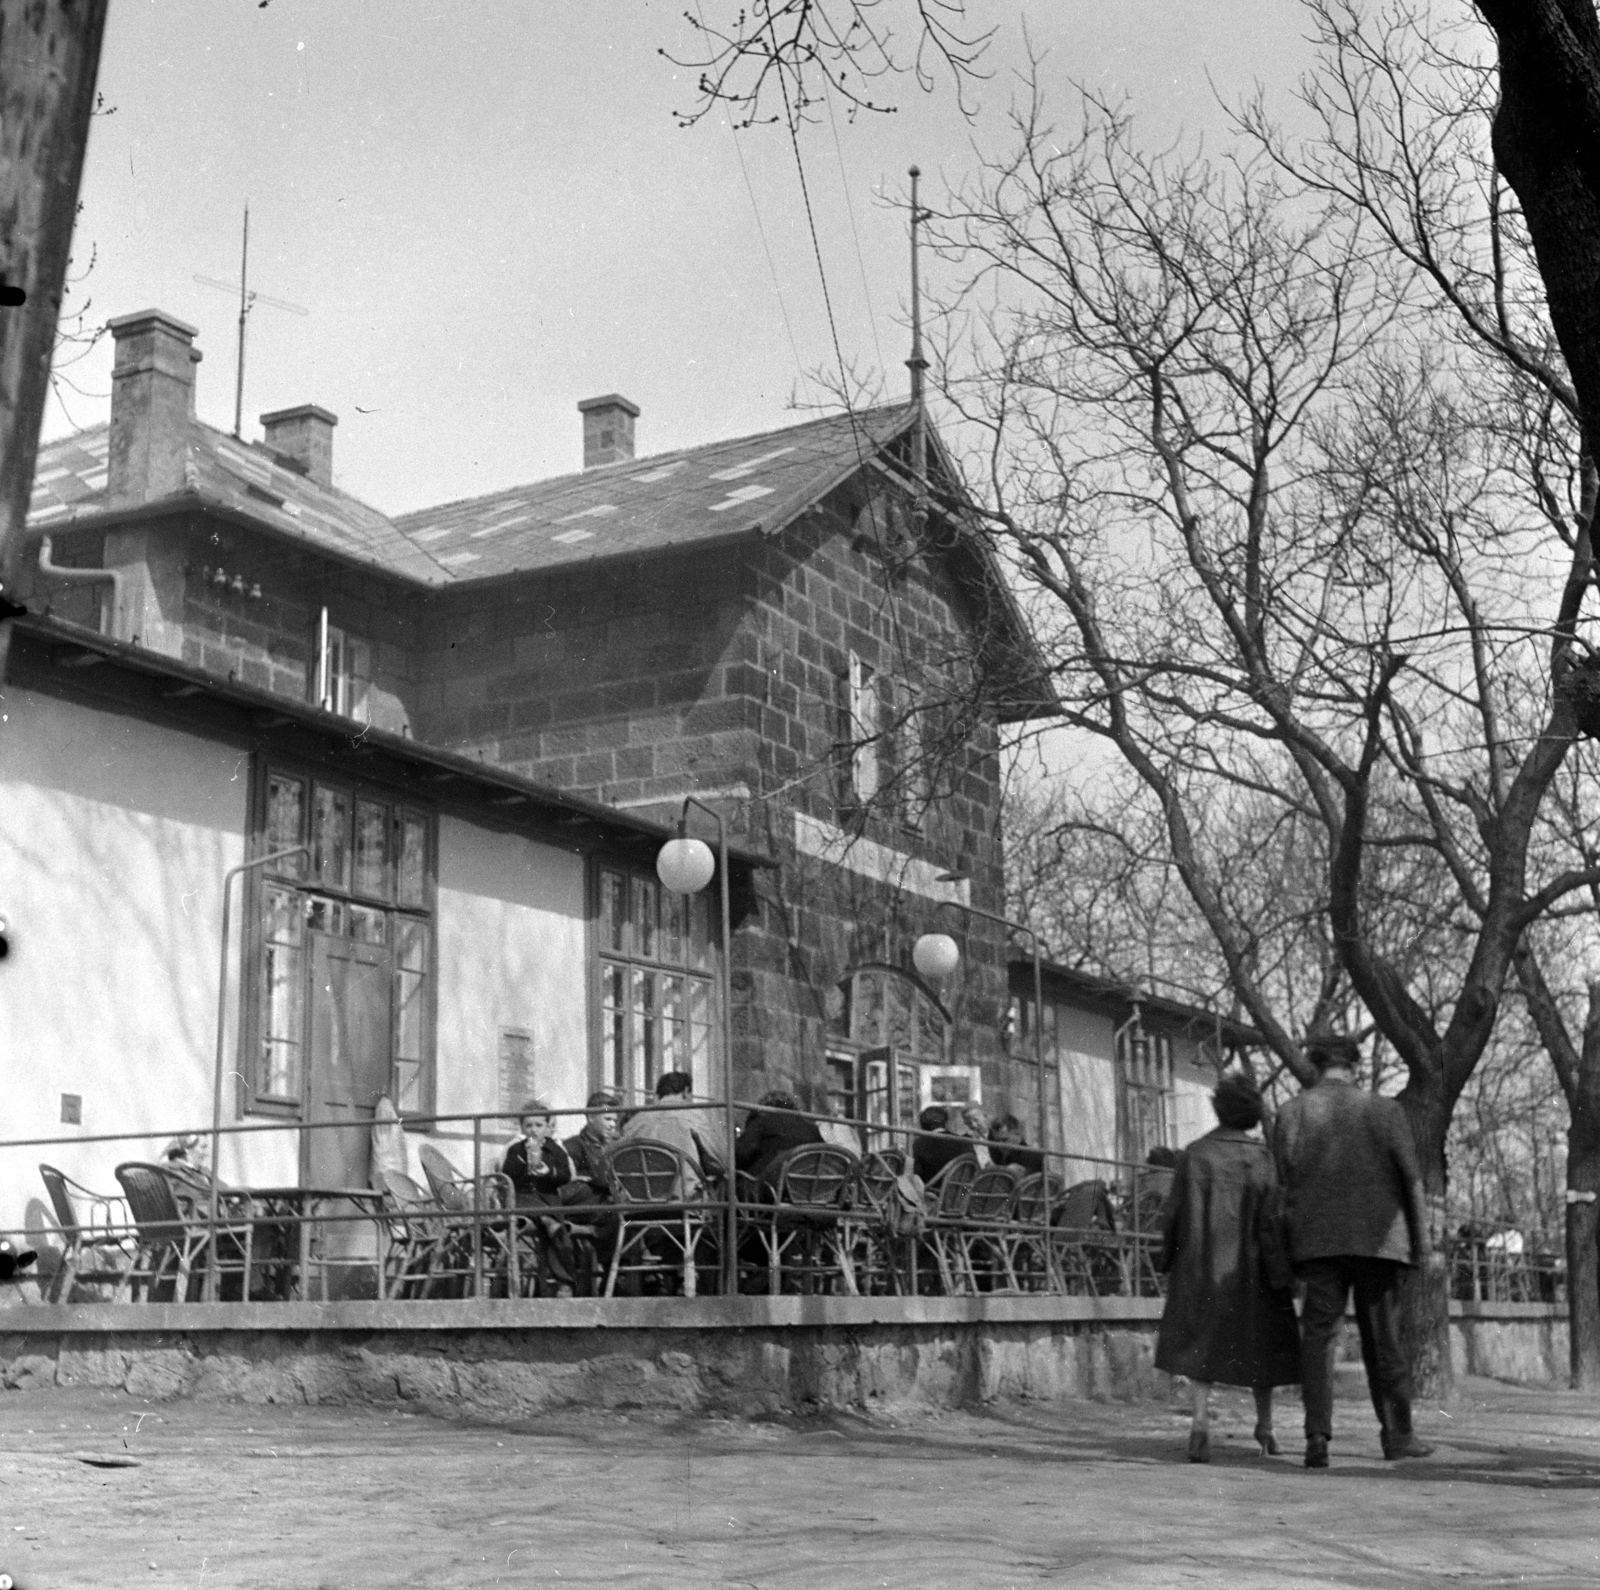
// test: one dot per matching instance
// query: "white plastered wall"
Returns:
(1088, 1080)
(512, 954)
(115, 835)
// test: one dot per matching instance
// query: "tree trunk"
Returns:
(1425, 1293)
(1583, 1211)
(1583, 1254)
(49, 55)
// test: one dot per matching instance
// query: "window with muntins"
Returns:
(1144, 1092)
(364, 896)
(657, 974)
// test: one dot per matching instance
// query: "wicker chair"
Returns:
(1090, 1254)
(497, 1237)
(945, 1202)
(427, 1251)
(882, 1260)
(98, 1231)
(1030, 1235)
(175, 1250)
(984, 1231)
(801, 1227)
(658, 1228)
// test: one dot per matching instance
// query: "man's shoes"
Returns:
(1398, 1444)
(1199, 1446)
(1316, 1451)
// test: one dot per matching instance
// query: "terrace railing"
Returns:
(447, 1227)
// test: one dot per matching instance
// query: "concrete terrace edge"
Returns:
(666, 1313)
(655, 1313)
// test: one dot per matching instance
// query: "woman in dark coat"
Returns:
(1229, 1314)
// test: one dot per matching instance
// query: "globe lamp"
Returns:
(685, 865)
(935, 955)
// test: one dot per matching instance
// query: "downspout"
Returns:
(55, 571)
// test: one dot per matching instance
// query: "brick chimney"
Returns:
(607, 429)
(152, 403)
(302, 437)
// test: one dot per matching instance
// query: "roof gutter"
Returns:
(74, 576)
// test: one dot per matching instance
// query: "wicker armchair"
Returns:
(98, 1231)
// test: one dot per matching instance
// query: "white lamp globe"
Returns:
(685, 865)
(935, 955)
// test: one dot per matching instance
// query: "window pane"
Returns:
(367, 925)
(330, 838)
(411, 944)
(674, 908)
(674, 1038)
(286, 815)
(411, 837)
(613, 911)
(899, 1029)
(282, 996)
(644, 918)
(372, 850)
(866, 1015)
(700, 929)
(906, 1102)
(646, 1038)
(613, 1024)
(327, 916)
(699, 1062)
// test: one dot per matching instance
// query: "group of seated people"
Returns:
(553, 1174)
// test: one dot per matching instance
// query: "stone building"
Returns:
(482, 720)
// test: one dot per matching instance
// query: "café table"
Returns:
(292, 1229)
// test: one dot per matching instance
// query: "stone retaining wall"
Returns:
(740, 1355)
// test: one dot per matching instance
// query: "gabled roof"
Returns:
(240, 479)
(701, 494)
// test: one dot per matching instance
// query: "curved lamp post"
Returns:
(936, 955)
(685, 866)
(216, 1078)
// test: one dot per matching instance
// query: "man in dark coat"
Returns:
(929, 1154)
(1353, 1205)
(773, 1128)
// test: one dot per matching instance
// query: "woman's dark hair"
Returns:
(1237, 1102)
(1162, 1157)
(777, 1099)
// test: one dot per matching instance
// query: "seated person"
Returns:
(696, 1130)
(976, 1125)
(591, 1181)
(538, 1168)
(930, 1155)
(772, 1129)
(1011, 1147)
(839, 1131)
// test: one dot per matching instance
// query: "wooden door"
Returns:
(350, 1049)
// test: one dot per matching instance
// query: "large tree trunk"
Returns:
(1425, 1293)
(1583, 1212)
(1547, 142)
(49, 55)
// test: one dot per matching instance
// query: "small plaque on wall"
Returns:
(516, 1069)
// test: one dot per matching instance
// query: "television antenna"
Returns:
(248, 299)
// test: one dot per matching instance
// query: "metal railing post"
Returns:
(216, 1080)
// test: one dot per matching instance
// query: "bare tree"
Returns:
(1283, 541)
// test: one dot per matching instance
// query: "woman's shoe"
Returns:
(1199, 1446)
(1267, 1441)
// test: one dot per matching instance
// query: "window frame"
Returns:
(637, 1090)
(251, 1097)
(1130, 1087)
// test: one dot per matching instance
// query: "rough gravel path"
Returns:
(1086, 1494)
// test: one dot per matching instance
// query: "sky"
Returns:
(488, 213)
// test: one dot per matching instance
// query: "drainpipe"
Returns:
(54, 571)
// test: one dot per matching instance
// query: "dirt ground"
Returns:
(1088, 1494)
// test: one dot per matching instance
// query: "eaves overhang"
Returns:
(119, 675)
(1110, 997)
